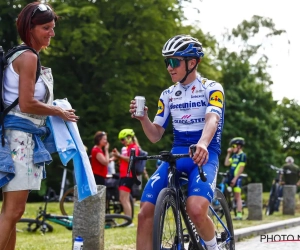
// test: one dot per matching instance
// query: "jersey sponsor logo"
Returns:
(174, 99)
(216, 111)
(197, 96)
(186, 117)
(212, 84)
(204, 80)
(216, 99)
(193, 89)
(160, 108)
(188, 105)
(191, 121)
(167, 91)
(178, 93)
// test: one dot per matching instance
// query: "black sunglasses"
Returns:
(41, 7)
(173, 62)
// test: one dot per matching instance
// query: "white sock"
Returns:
(212, 244)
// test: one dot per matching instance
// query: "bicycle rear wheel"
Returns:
(66, 204)
(32, 225)
(165, 226)
(216, 213)
(117, 220)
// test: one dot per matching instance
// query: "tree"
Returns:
(250, 109)
(288, 112)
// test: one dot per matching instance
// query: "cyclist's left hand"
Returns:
(201, 154)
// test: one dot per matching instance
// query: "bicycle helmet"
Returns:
(238, 141)
(125, 132)
(183, 45)
(289, 159)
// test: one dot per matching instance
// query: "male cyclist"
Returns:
(127, 138)
(196, 106)
(237, 163)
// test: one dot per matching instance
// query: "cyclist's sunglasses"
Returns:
(41, 7)
(173, 62)
(234, 146)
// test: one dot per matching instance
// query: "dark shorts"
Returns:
(99, 180)
(126, 184)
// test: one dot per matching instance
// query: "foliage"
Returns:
(106, 52)
(288, 112)
(250, 109)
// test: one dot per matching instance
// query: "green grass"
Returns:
(115, 239)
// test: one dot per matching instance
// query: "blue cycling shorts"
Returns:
(159, 179)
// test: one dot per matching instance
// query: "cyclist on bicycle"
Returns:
(237, 163)
(127, 138)
(196, 105)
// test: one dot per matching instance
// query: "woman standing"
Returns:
(100, 157)
(128, 139)
(25, 123)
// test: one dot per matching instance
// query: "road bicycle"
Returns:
(39, 223)
(172, 227)
(229, 194)
(275, 190)
(113, 205)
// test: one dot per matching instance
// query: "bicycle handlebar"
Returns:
(165, 156)
(281, 170)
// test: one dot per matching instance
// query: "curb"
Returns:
(242, 233)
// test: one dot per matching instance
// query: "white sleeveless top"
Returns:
(11, 86)
(43, 87)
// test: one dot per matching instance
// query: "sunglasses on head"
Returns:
(173, 62)
(234, 146)
(41, 7)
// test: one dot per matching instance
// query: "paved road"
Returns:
(261, 242)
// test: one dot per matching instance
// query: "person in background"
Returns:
(128, 139)
(291, 178)
(25, 123)
(236, 159)
(100, 157)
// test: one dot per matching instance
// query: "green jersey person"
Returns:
(236, 159)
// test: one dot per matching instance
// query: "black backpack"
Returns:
(3, 63)
(140, 165)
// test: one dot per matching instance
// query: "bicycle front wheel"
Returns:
(165, 226)
(117, 220)
(66, 204)
(224, 234)
(32, 225)
(273, 199)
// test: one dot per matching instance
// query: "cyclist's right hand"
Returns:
(132, 110)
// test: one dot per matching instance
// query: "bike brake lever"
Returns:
(200, 169)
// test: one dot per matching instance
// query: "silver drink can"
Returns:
(140, 105)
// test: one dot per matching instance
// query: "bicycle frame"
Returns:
(63, 220)
(180, 198)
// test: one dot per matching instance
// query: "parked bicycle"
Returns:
(113, 205)
(275, 190)
(172, 227)
(39, 223)
(229, 194)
